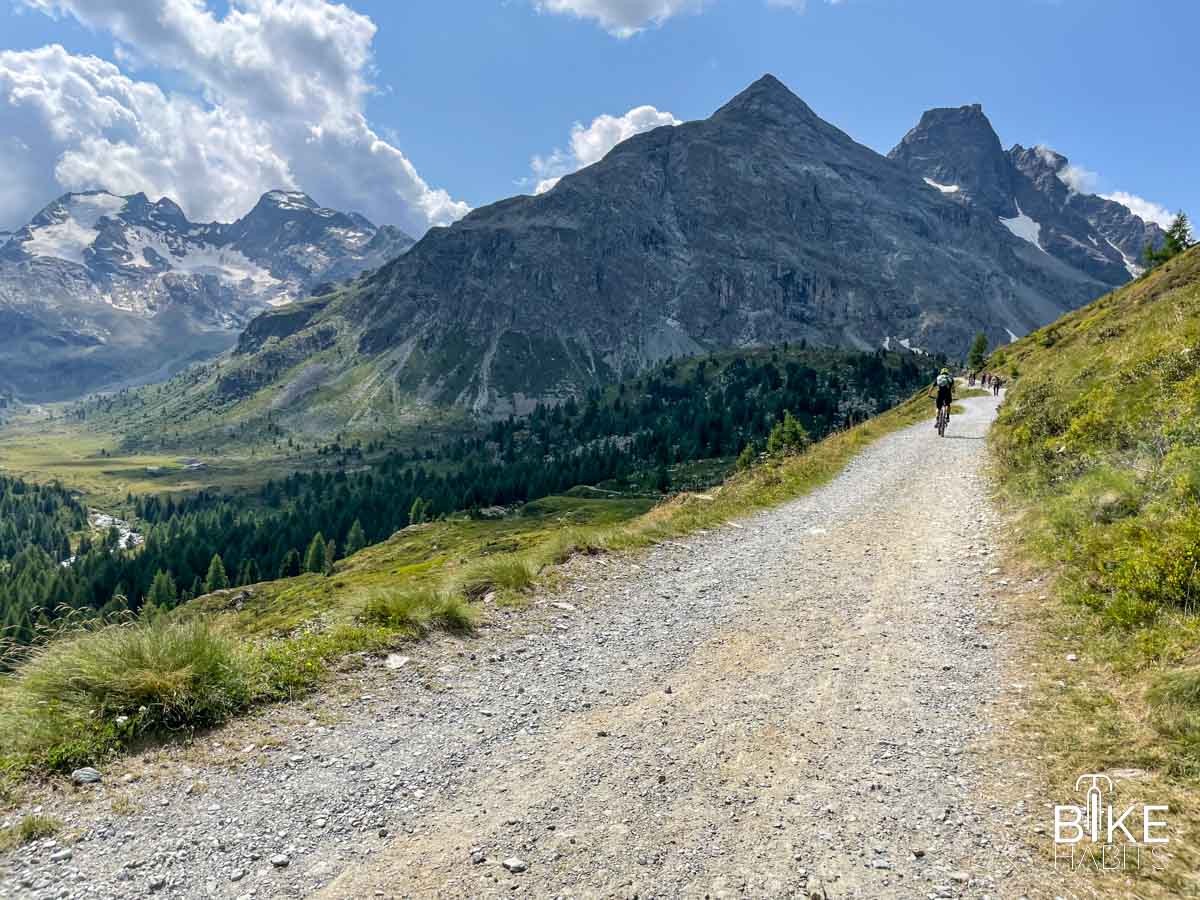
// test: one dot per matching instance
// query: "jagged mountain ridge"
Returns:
(99, 290)
(957, 151)
(758, 225)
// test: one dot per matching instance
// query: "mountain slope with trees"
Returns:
(628, 438)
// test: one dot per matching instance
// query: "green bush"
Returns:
(418, 611)
(1160, 565)
(788, 437)
(512, 573)
(81, 696)
(746, 458)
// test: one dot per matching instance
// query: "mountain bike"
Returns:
(943, 419)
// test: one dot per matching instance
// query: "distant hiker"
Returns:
(997, 383)
(942, 390)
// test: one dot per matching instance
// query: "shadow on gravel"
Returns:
(964, 437)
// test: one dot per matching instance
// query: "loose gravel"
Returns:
(792, 705)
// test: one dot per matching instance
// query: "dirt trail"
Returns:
(791, 706)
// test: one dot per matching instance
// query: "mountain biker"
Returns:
(943, 390)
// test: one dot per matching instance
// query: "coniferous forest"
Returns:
(679, 412)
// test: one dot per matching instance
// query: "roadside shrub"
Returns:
(1102, 496)
(87, 694)
(568, 542)
(746, 458)
(418, 611)
(1161, 565)
(788, 437)
(511, 573)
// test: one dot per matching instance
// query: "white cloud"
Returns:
(591, 143)
(799, 6)
(1142, 208)
(279, 89)
(621, 18)
(1079, 179)
(1085, 181)
(625, 18)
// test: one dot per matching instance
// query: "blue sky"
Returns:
(415, 111)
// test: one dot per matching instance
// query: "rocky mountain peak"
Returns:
(1038, 158)
(1030, 189)
(288, 200)
(957, 148)
(767, 99)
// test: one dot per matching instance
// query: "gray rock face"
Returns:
(758, 225)
(1107, 222)
(958, 153)
(99, 290)
(958, 148)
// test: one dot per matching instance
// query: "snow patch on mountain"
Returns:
(1134, 270)
(944, 188)
(1012, 336)
(75, 227)
(1024, 227)
(148, 249)
(290, 200)
(226, 264)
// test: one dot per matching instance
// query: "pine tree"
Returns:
(356, 539)
(290, 567)
(747, 457)
(1178, 239)
(416, 515)
(788, 437)
(330, 555)
(978, 355)
(163, 593)
(662, 478)
(1179, 235)
(216, 580)
(248, 573)
(314, 559)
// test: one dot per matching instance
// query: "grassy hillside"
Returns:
(1099, 444)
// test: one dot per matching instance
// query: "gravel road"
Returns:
(794, 705)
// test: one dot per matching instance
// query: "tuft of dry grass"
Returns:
(29, 829)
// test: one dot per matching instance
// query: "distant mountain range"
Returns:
(99, 290)
(759, 225)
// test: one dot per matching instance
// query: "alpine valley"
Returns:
(100, 291)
